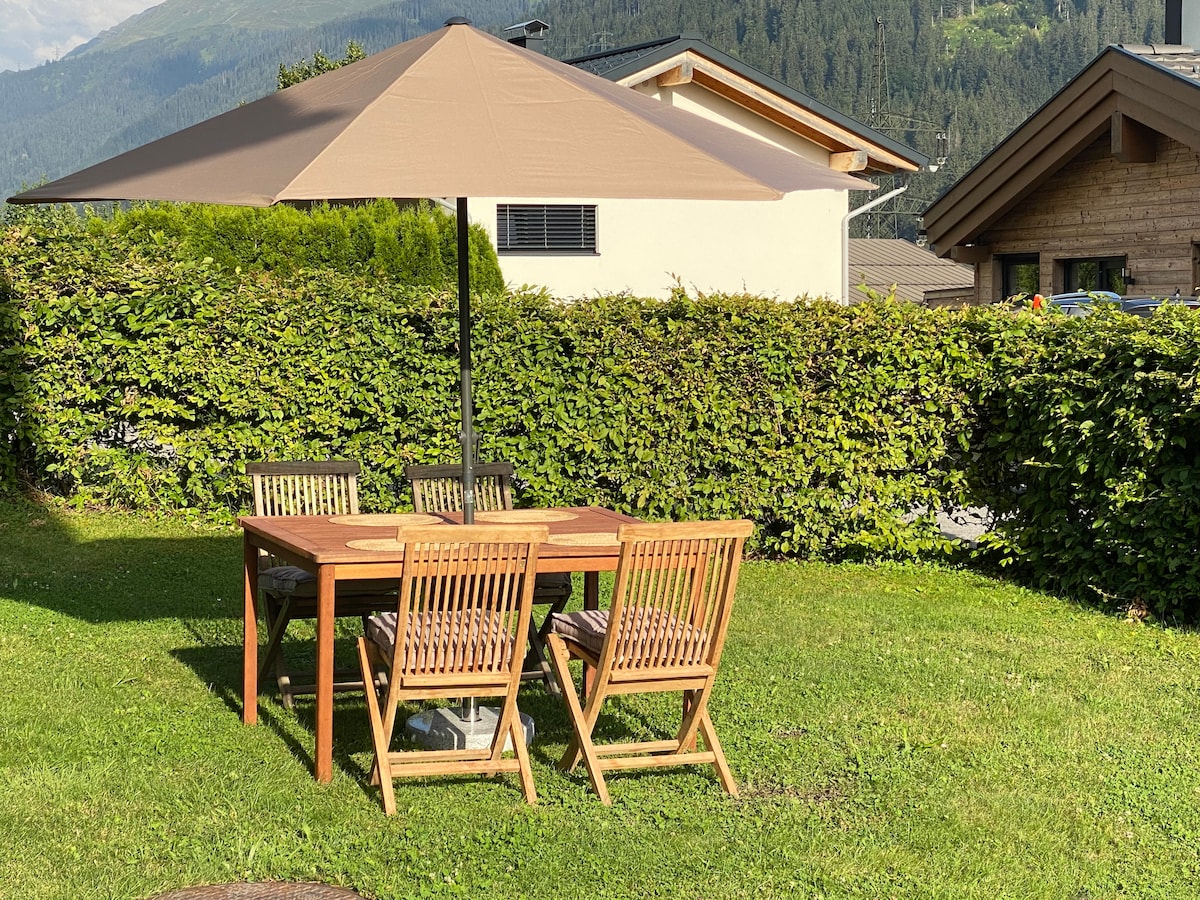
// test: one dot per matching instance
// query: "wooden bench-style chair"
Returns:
(457, 631)
(287, 592)
(664, 631)
(438, 488)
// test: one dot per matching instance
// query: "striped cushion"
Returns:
(588, 627)
(449, 637)
(292, 581)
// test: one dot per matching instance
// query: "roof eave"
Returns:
(1117, 81)
(885, 154)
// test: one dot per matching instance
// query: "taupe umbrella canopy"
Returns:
(456, 113)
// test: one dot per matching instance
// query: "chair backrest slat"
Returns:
(439, 488)
(673, 594)
(465, 599)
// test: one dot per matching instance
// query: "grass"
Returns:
(896, 731)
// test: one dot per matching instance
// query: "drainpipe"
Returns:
(866, 207)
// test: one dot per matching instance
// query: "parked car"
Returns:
(1081, 303)
(1145, 306)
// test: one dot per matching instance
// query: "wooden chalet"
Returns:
(1098, 190)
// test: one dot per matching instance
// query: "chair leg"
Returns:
(517, 729)
(581, 744)
(537, 663)
(278, 616)
(509, 728)
(381, 742)
(724, 774)
(693, 706)
(689, 699)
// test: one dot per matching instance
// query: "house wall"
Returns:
(786, 248)
(1099, 207)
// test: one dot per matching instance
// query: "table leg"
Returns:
(591, 600)
(324, 728)
(249, 632)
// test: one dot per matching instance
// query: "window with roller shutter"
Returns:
(545, 228)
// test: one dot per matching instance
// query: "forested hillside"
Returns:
(912, 68)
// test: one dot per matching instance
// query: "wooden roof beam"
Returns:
(971, 254)
(681, 74)
(1017, 178)
(1132, 142)
(1022, 162)
(849, 161)
(1169, 114)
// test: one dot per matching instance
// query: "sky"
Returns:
(33, 31)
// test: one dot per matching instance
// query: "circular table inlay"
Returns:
(525, 515)
(586, 539)
(382, 544)
(387, 520)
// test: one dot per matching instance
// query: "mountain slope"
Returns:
(175, 18)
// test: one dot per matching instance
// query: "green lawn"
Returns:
(896, 731)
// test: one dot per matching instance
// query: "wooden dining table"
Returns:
(337, 548)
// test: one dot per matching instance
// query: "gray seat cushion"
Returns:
(292, 581)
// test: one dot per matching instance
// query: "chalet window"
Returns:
(1095, 274)
(1020, 273)
(545, 228)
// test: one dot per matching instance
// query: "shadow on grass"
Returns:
(116, 579)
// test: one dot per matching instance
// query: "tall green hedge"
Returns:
(133, 373)
(413, 244)
(1087, 449)
(144, 380)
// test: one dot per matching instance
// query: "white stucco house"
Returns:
(787, 248)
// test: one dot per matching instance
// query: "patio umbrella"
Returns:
(455, 113)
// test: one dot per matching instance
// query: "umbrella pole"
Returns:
(469, 711)
(464, 362)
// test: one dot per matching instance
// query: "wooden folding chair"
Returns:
(665, 630)
(287, 592)
(458, 631)
(438, 488)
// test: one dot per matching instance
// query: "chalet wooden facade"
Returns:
(1098, 190)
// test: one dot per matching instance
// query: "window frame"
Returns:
(1009, 262)
(1111, 273)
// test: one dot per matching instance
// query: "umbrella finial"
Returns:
(458, 20)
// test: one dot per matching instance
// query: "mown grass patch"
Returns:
(897, 731)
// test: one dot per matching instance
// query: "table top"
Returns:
(582, 531)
